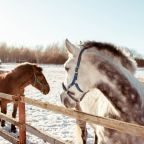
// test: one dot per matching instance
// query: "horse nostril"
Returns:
(71, 93)
(62, 97)
(48, 90)
(64, 87)
(66, 102)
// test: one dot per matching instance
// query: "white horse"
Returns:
(100, 79)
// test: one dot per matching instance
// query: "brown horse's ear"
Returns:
(36, 67)
(40, 68)
(72, 49)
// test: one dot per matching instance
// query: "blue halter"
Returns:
(74, 83)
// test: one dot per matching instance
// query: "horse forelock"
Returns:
(114, 52)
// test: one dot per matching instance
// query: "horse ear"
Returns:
(36, 67)
(71, 47)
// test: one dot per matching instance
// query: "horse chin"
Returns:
(46, 91)
(68, 103)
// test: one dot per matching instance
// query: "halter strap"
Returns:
(70, 94)
(76, 73)
(37, 81)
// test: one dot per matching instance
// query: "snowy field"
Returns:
(59, 125)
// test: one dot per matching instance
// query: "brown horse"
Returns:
(14, 82)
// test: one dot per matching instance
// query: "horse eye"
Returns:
(67, 69)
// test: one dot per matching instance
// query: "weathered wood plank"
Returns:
(5, 96)
(8, 137)
(22, 121)
(46, 137)
(38, 133)
(106, 122)
(9, 97)
(120, 126)
(9, 119)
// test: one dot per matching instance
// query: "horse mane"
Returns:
(3, 71)
(114, 51)
(26, 66)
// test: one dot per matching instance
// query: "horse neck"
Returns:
(121, 89)
(20, 80)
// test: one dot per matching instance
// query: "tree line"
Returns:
(52, 54)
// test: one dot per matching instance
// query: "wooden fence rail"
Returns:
(45, 136)
(120, 126)
(23, 127)
(8, 137)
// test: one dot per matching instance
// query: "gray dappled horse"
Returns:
(100, 80)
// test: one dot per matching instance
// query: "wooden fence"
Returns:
(120, 126)
(22, 125)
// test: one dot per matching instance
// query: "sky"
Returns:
(42, 22)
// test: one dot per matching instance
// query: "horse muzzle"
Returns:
(46, 90)
(68, 102)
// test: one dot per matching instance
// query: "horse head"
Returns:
(39, 81)
(87, 66)
(79, 76)
(28, 73)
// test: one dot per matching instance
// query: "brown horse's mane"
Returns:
(3, 72)
(115, 51)
(27, 67)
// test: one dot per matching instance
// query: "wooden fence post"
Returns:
(22, 121)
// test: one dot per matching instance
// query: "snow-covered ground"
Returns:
(59, 125)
